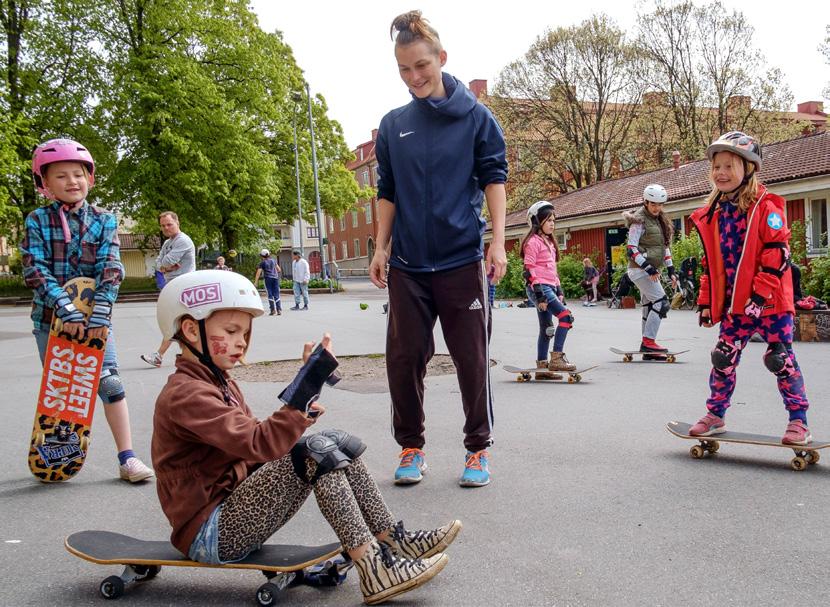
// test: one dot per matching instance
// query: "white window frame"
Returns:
(345, 250)
(366, 178)
(331, 225)
(815, 249)
(343, 223)
(368, 212)
(562, 240)
(357, 247)
(354, 218)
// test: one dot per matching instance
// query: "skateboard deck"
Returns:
(522, 375)
(804, 454)
(68, 391)
(628, 355)
(283, 565)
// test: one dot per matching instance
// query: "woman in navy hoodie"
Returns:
(438, 158)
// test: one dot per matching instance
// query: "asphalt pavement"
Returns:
(592, 501)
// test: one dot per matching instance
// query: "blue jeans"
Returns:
(110, 359)
(300, 289)
(555, 306)
(205, 546)
(272, 286)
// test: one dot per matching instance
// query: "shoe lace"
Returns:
(408, 455)
(474, 460)
(391, 561)
(399, 534)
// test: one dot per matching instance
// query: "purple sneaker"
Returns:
(708, 425)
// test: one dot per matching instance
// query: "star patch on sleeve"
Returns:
(774, 221)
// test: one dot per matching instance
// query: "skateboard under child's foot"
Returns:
(804, 454)
(522, 375)
(668, 357)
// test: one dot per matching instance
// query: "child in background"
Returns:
(540, 254)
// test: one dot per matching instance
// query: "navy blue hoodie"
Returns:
(435, 157)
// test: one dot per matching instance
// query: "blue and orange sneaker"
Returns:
(410, 470)
(476, 469)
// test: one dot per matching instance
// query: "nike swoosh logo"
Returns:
(402, 134)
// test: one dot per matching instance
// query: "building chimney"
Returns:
(374, 134)
(478, 88)
(675, 159)
(811, 107)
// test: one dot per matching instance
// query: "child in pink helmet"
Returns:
(67, 239)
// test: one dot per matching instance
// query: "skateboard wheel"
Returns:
(147, 572)
(112, 587)
(84, 443)
(812, 457)
(798, 463)
(627, 358)
(267, 594)
(40, 438)
(713, 446)
(697, 452)
(670, 359)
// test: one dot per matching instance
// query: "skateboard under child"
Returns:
(68, 391)
(628, 355)
(283, 565)
(522, 375)
(804, 454)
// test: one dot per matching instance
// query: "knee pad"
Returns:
(778, 360)
(325, 453)
(110, 388)
(566, 319)
(661, 306)
(725, 357)
(349, 445)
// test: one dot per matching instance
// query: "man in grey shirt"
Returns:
(177, 257)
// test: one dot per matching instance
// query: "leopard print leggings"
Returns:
(349, 500)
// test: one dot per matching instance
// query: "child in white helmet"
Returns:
(67, 239)
(649, 249)
(540, 254)
(228, 481)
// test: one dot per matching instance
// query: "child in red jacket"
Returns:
(228, 481)
(746, 283)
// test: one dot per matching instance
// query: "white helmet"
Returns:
(264, 253)
(654, 192)
(199, 294)
(535, 208)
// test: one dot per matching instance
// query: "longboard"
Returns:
(522, 375)
(804, 454)
(283, 565)
(628, 355)
(68, 392)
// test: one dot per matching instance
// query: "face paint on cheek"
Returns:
(218, 345)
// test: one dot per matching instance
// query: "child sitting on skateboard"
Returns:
(67, 239)
(746, 283)
(228, 481)
(540, 254)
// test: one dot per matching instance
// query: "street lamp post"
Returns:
(324, 272)
(298, 97)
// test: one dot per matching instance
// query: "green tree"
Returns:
(48, 89)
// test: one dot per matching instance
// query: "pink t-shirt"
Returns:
(540, 260)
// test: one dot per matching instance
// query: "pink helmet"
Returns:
(60, 150)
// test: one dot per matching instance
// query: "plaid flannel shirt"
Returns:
(49, 262)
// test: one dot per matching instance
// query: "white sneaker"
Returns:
(134, 470)
(154, 359)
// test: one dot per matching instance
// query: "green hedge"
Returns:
(570, 269)
(13, 286)
(816, 278)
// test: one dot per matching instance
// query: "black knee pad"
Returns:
(777, 359)
(661, 307)
(325, 453)
(725, 356)
(349, 445)
(110, 388)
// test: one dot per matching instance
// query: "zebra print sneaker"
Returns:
(383, 575)
(421, 544)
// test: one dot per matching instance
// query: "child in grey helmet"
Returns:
(227, 481)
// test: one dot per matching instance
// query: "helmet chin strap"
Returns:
(67, 207)
(207, 360)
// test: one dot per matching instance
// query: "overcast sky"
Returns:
(346, 53)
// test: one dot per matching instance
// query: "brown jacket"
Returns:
(203, 448)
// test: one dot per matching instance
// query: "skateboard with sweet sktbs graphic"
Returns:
(804, 454)
(628, 355)
(522, 375)
(283, 565)
(68, 391)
